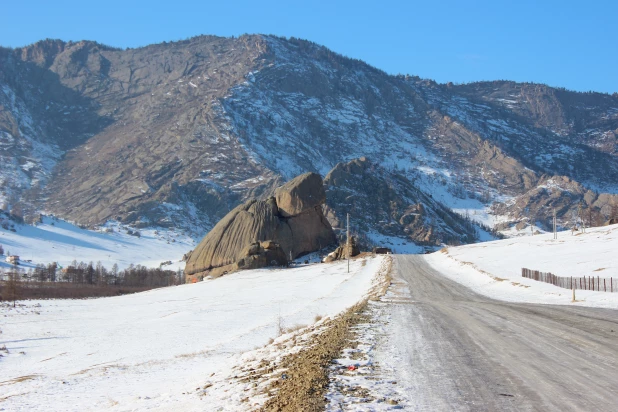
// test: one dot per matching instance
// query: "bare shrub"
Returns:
(294, 328)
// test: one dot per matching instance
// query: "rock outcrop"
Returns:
(386, 200)
(568, 198)
(340, 252)
(267, 232)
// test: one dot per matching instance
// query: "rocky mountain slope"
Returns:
(177, 134)
(386, 202)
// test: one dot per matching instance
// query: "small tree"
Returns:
(114, 274)
(90, 274)
(1, 250)
(12, 287)
(40, 272)
(51, 271)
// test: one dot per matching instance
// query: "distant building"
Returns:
(382, 251)
(13, 259)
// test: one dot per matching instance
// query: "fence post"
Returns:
(604, 286)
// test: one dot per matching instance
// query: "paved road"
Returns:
(468, 352)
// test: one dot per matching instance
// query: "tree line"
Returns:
(80, 280)
(99, 275)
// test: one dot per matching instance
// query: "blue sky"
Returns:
(572, 44)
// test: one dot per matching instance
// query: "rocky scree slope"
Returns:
(179, 133)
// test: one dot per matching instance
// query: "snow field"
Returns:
(247, 385)
(58, 241)
(494, 268)
(151, 350)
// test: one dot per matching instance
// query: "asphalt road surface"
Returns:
(462, 351)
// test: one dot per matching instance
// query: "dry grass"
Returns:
(18, 380)
(294, 328)
(519, 284)
(193, 354)
(599, 269)
(307, 371)
(317, 318)
(62, 290)
(388, 279)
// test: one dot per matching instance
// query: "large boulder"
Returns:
(261, 233)
(303, 193)
(261, 254)
(340, 253)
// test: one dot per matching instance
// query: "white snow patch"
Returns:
(151, 350)
(58, 241)
(494, 268)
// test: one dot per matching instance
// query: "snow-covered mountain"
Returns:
(176, 134)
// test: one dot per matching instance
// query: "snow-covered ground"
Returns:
(494, 268)
(55, 240)
(151, 350)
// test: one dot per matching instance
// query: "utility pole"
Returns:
(555, 226)
(581, 217)
(347, 245)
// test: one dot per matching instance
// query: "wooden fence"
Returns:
(595, 283)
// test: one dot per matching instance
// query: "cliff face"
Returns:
(177, 134)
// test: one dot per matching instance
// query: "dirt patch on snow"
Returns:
(304, 382)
